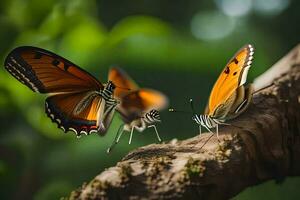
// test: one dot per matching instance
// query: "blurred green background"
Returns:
(178, 47)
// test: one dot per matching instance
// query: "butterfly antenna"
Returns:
(123, 88)
(180, 111)
(192, 106)
(256, 91)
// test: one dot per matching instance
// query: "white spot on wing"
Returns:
(74, 130)
(93, 131)
(244, 76)
(83, 132)
(248, 65)
(63, 128)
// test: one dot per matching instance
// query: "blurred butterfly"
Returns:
(139, 106)
(78, 102)
(229, 97)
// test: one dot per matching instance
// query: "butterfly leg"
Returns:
(117, 141)
(131, 133)
(159, 139)
(208, 129)
(200, 130)
(212, 134)
(117, 138)
(223, 123)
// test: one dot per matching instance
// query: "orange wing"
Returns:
(61, 109)
(233, 76)
(121, 79)
(45, 72)
(134, 102)
(141, 101)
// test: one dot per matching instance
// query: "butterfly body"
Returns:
(206, 121)
(140, 124)
(139, 106)
(77, 101)
(109, 107)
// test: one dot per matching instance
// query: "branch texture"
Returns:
(261, 144)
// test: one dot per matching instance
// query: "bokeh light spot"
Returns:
(211, 25)
(270, 7)
(234, 8)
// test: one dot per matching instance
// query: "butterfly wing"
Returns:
(73, 103)
(233, 76)
(82, 112)
(62, 110)
(242, 101)
(141, 101)
(135, 101)
(45, 72)
(121, 79)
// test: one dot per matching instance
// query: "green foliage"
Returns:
(271, 190)
(53, 190)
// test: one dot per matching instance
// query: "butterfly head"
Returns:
(110, 86)
(154, 114)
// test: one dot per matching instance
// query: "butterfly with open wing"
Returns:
(77, 101)
(229, 97)
(139, 106)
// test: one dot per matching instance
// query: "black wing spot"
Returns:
(235, 61)
(66, 66)
(227, 70)
(234, 73)
(37, 55)
(55, 62)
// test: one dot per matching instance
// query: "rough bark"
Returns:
(262, 144)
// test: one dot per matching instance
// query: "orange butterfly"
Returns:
(78, 102)
(229, 97)
(138, 106)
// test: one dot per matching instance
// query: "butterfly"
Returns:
(139, 106)
(229, 96)
(77, 101)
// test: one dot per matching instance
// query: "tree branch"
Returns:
(261, 144)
